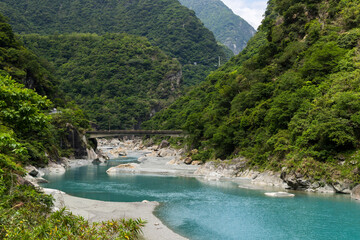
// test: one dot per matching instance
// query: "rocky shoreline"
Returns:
(94, 210)
(163, 160)
(177, 162)
(237, 169)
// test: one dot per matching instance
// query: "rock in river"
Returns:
(279, 194)
(355, 193)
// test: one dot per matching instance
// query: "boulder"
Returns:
(342, 187)
(166, 153)
(96, 161)
(128, 167)
(55, 168)
(22, 181)
(188, 160)
(295, 181)
(34, 173)
(91, 154)
(41, 180)
(279, 194)
(196, 163)
(164, 144)
(355, 193)
(269, 178)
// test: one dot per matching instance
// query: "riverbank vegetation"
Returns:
(29, 134)
(290, 99)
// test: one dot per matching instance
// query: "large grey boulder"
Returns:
(164, 144)
(355, 193)
(295, 181)
(342, 187)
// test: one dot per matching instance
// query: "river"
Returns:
(218, 210)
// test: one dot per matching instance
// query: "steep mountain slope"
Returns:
(23, 113)
(22, 64)
(228, 28)
(293, 102)
(167, 24)
(119, 79)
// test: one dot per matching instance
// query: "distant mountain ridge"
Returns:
(228, 28)
(166, 23)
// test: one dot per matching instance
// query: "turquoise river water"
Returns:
(218, 210)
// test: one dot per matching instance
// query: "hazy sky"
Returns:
(250, 10)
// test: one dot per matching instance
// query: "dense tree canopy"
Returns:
(167, 24)
(119, 79)
(293, 101)
(22, 64)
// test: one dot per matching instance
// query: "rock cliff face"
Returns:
(73, 139)
(228, 28)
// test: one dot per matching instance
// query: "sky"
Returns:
(250, 10)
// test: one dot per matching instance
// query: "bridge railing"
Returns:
(106, 133)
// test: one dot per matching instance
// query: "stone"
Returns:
(34, 173)
(188, 160)
(164, 144)
(279, 194)
(194, 151)
(22, 181)
(213, 176)
(269, 178)
(41, 180)
(128, 167)
(355, 193)
(91, 154)
(122, 153)
(295, 181)
(166, 153)
(55, 168)
(96, 161)
(342, 187)
(325, 188)
(196, 163)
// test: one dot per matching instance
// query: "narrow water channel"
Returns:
(218, 210)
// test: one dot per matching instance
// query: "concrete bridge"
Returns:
(119, 133)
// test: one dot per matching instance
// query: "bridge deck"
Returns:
(114, 133)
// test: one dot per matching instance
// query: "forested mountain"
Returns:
(228, 28)
(22, 64)
(166, 23)
(119, 79)
(290, 99)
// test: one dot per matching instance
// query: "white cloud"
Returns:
(251, 11)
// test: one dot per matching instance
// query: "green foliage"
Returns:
(294, 99)
(25, 136)
(228, 28)
(63, 224)
(167, 24)
(20, 108)
(23, 119)
(118, 79)
(23, 65)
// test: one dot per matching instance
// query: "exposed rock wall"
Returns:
(74, 139)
